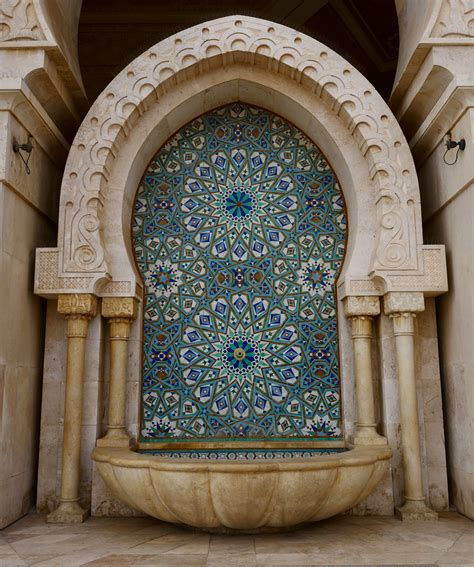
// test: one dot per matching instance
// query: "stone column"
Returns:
(402, 307)
(120, 311)
(361, 310)
(78, 309)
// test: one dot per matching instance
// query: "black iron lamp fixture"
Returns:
(450, 145)
(22, 149)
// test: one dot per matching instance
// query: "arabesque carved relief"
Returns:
(18, 21)
(455, 19)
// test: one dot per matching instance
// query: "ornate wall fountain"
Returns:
(280, 73)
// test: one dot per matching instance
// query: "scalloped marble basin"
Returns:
(247, 495)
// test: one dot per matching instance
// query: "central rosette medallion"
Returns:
(241, 355)
(239, 202)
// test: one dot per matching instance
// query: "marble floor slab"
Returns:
(344, 540)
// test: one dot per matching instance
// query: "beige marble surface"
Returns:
(343, 540)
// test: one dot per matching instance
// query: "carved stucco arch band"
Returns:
(399, 261)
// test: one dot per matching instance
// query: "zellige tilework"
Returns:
(239, 233)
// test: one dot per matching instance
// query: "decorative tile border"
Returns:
(243, 454)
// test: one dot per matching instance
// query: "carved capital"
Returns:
(403, 302)
(119, 307)
(359, 306)
(403, 323)
(361, 327)
(82, 304)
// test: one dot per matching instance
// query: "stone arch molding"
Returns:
(399, 260)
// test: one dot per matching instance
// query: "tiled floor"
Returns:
(346, 540)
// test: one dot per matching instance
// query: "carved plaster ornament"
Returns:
(18, 21)
(455, 19)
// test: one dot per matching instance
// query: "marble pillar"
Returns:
(120, 312)
(78, 310)
(402, 308)
(361, 310)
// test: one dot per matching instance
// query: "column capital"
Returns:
(403, 323)
(361, 306)
(119, 307)
(82, 304)
(403, 302)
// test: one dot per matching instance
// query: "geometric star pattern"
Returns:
(239, 233)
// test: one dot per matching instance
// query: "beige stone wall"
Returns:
(433, 94)
(449, 196)
(27, 219)
(40, 95)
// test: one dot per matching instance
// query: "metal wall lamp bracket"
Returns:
(450, 145)
(27, 148)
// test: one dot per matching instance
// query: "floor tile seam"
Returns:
(73, 554)
(147, 541)
(454, 543)
(13, 550)
(169, 551)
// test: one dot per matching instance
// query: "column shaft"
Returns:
(77, 327)
(404, 342)
(402, 307)
(78, 309)
(121, 311)
(360, 311)
(361, 336)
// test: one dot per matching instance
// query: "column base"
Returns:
(116, 438)
(372, 439)
(416, 511)
(67, 513)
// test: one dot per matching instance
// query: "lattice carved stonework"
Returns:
(47, 281)
(253, 42)
(239, 232)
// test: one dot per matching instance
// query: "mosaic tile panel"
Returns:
(239, 233)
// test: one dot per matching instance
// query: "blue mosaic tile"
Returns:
(243, 454)
(239, 233)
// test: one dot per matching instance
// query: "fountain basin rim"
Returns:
(354, 456)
